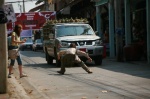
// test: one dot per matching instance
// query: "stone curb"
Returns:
(30, 89)
(15, 89)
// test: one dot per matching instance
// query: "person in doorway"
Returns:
(73, 50)
(9, 40)
(15, 41)
(106, 37)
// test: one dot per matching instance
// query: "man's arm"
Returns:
(84, 54)
(59, 54)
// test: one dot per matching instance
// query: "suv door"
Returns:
(49, 45)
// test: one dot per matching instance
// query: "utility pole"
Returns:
(20, 7)
(119, 30)
(111, 29)
(46, 5)
(3, 56)
(23, 7)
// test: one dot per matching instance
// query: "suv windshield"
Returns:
(74, 30)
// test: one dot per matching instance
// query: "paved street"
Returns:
(112, 80)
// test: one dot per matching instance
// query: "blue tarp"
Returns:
(26, 33)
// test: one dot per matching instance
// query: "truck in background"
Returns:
(28, 44)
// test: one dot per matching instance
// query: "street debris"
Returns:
(84, 98)
(104, 91)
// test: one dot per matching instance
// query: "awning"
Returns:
(36, 8)
(101, 2)
(49, 1)
(39, 1)
(73, 2)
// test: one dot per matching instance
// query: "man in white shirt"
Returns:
(74, 51)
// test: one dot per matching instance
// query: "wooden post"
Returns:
(3, 57)
(98, 21)
(111, 29)
(119, 30)
(127, 22)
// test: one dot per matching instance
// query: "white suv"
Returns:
(27, 45)
(63, 34)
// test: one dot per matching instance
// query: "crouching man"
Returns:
(74, 51)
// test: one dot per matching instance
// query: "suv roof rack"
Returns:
(66, 21)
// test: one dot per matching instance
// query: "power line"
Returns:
(21, 1)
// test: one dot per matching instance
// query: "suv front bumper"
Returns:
(91, 50)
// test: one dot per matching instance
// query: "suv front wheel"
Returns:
(98, 60)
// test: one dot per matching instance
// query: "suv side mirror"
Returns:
(51, 36)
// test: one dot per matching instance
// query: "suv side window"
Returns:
(51, 34)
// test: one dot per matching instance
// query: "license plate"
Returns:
(39, 45)
(83, 49)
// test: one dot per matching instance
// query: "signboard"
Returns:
(32, 20)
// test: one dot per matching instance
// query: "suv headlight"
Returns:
(98, 42)
(64, 44)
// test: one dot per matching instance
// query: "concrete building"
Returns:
(135, 16)
(126, 21)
